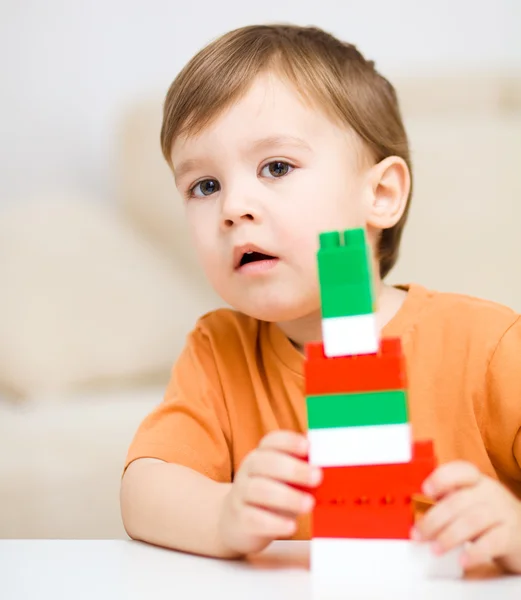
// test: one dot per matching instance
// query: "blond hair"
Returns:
(320, 67)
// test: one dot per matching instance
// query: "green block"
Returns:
(357, 410)
(343, 265)
(329, 239)
(346, 300)
(345, 274)
(349, 237)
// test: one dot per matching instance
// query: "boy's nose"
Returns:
(235, 211)
(229, 222)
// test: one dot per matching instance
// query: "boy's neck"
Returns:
(309, 328)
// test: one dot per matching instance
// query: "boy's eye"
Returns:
(276, 168)
(206, 187)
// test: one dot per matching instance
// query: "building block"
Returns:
(362, 560)
(346, 300)
(345, 274)
(343, 257)
(352, 446)
(353, 335)
(356, 410)
(344, 485)
(371, 501)
(384, 370)
(358, 432)
(393, 522)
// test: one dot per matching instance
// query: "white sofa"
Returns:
(61, 463)
(65, 430)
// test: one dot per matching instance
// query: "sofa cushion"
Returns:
(86, 301)
(62, 463)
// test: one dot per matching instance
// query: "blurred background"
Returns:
(98, 285)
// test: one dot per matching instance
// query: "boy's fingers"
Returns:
(492, 544)
(274, 495)
(440, 515)
(451, 476)
(468, 526)
(285, 441)
(283, 467)
(263, 523)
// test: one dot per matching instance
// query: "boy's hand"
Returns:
(475, 511)
(262, 505)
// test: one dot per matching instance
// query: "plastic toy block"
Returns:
(385, 370)
(398, 561)
(421, 505)
(352, 446)
(356, 410)
(345, 274)
(343, 257)
(372, 501)
(344, 336)
(344, 300)
(393, 522)
(342, 485)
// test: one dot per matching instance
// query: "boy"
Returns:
(274, 134)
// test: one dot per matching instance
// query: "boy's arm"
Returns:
(474, 509)
(501, 416)
(178, 467)
(173, 506)
(176, 490)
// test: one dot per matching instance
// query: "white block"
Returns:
(392, 560)
(345, 336)
(367, 445)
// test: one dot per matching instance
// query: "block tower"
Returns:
(358, 420)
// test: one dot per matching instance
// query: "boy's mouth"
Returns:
(246, 255)
(250, 257)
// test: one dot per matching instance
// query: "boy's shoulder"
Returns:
(463, 314)
(226, 323)
(472, 306)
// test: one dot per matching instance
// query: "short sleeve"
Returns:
(191, 426)
(501, 419)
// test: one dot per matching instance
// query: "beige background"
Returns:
(463, 234)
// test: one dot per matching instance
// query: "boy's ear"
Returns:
(390, 183)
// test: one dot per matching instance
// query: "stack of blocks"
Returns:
(358, 426)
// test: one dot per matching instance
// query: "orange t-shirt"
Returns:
(239, 378)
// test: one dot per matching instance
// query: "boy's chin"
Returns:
(274, 313)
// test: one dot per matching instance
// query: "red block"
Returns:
(372, 501)
(385, 370)
(365, 522)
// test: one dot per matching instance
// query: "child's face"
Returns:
(267, 176)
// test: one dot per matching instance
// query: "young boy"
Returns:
(275, 134)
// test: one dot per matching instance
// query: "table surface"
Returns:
(114, 569)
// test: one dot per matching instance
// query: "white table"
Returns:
(113, 570)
